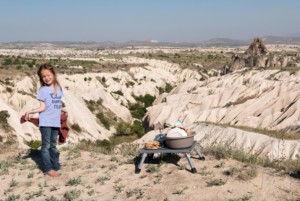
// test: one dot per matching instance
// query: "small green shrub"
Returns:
(105, 144)
(249, 173)
(72, 195)
(3, 120)
(101, 146)
(137, 128)
(119, 92)
(129, 83)
(123, 128)
(168, 88)
(137, 110)
(9, 90)
(74, 182)
(216, 182)
(103, 120)
(76, 127)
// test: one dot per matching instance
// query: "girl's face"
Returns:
(47, 77)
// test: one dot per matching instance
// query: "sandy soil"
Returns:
(94, 176)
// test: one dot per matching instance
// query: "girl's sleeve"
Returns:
(41, 96)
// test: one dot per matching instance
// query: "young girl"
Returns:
(49, 96)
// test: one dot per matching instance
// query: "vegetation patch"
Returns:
(167, 89)
(138, 110)
(125, 129)
(76, 127)
(103, 120)
(3, 120)
(273, 133)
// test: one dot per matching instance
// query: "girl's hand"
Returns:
(27, 117)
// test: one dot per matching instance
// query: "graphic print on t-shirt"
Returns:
(56, 101)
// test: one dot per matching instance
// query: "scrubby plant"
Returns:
(9, 90)
(168, 88)
(93, 105)
(129, 83)
(181, 191)
(216, 182)
(13, 183)
(204, 171)
(248, 173)
(231, 171)
(101, 146)
(137, 110)
(102, 179)
(137, 128)
(74, 182)
(72, 195)
(3, 120)
(52, 198)
(76, 127)
(119, 92)
(103, 120)
(12, 197)
(123, 128)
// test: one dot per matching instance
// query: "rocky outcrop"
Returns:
(257, 55)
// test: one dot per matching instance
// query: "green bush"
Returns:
(123, 128)
(137, 128)
(119, 92)
(137, 110)
(167, 88)
(103, 120)
(105, 144)
(9, 90)
(147, 100)
(93, 105)
(76, 127)
(129, 83)
(3, 120)
(7, 62)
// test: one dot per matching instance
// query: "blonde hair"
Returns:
(51, 69)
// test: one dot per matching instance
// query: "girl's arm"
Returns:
(37, 110)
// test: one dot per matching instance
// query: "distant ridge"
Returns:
(289, 40)
(225, 42)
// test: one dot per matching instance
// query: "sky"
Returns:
(162, 20)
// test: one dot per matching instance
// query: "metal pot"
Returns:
(179, 142)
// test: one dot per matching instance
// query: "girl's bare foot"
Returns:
(53, 173)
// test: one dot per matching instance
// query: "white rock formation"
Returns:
(258, 99)
(90, 86)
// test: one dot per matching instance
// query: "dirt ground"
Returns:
(94, 176)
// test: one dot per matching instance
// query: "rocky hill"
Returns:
(112, 91)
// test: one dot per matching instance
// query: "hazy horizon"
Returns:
(140, 20)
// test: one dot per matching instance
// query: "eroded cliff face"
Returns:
(259, 99)
(114, 91)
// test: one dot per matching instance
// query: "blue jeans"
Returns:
(50, 156)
